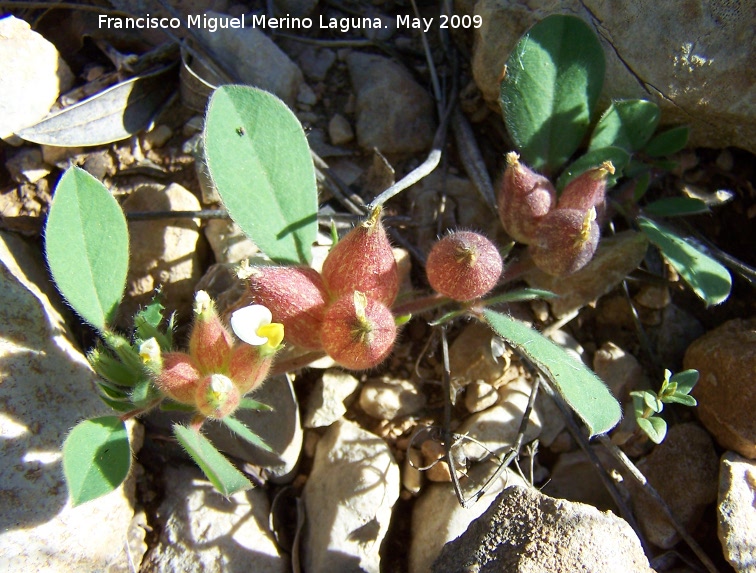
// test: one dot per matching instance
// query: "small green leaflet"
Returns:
(96, 458)
(708, 278)
(221, 473)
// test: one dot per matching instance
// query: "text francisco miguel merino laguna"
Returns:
(213, 23)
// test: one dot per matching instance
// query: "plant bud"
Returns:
(217, 396)
(210, 342)
(568, 238)
(296, 297)
(363, 261)
(179, 377)
(524, 198)
(463, 266)
(587, 189)
(358, 332)
(248, 367)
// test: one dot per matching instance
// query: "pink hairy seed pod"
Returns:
(217, 396)
(358, 332)
(568, 238)
(524, 198)
(587, 189)
(179, 377)
(363, 261)
(210, 342)
(463, 266)
(296, 297)
(248, 367)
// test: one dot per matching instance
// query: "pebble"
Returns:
(412, 477)
(394, 113)
(480, 396)
(339, 130)
(59, 156)
(228, 241)
(329, 399)
(390, 398)
(736, 512)
(157, 138)
(306, 96)
(725, 359)
(348, 498)
(471, 356)
(620, 370)
(27, 165)
(524, 530)
(200, 530)
(315, 62)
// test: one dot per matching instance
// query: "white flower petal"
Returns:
(246, 321)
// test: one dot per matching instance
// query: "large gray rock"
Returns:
(394, 113)
(201, 531)
(694, 62)
(438, 518)
(46, 388)
(525, 531)
(736, 512)
(348, 499)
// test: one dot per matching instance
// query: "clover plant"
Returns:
(259, 161)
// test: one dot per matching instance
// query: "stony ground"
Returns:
(347, 444)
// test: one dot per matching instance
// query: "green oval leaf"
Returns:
(709, 280)
(618, 156)
(260, 162)
(683, 399)
(655, 428)
(552, 82)
(676, 207)
(87, 246)
(96, 458)
(221, 473)
(586, 394)
(668, 142)
(685, 380)
(628, 124)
